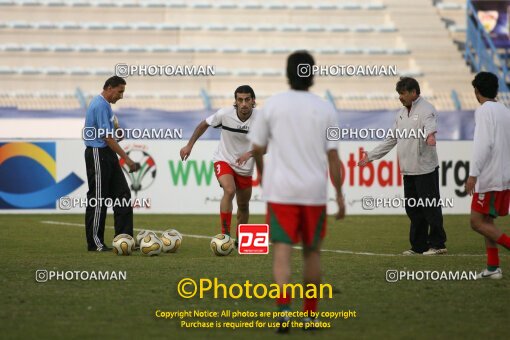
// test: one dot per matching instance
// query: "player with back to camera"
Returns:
(293, 125)
(489, 172)
(104, 174)
(233, 162)
(418, 161)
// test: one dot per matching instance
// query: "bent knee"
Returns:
(475, 223)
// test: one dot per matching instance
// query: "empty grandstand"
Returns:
(54, 54)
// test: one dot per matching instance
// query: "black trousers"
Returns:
(106, 180)
(424, 186)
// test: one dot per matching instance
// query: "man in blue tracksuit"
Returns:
(104, 174)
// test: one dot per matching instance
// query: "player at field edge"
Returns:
(104, 174)
(489, 175)
(293, 126)
(419, 164)
(233, 162)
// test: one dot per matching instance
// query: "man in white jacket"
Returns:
(489, 173)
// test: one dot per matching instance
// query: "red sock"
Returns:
(310, 305)
(283, 303)
(492, 257)
(504, 240)
(225, 218)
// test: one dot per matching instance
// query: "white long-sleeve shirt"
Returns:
(491, 148)
(414, 155)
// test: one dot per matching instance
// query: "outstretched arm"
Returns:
(199, 131)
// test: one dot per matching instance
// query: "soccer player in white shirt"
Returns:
(293, 126)
(233, 162)
(489, 172)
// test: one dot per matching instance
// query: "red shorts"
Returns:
(492, 203)
(290, 223)
(222, 168)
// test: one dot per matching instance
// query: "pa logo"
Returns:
(143, 178)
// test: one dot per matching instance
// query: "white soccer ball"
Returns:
(222, 245)
(174, 232)
(171, 242)
(141, 235)
(151, 245)
(123, 244)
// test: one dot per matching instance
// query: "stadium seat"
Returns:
(111, 49)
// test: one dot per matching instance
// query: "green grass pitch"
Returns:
(88, 309)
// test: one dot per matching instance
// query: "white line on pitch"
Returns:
(209, 237)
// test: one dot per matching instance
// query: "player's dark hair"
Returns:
(244, 89)
(301, 79)
(487, 84)
(114, 82)
(407, 84)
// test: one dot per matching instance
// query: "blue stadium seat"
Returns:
(47, 25)
(79, 71)
(63, 48)
(270, 73)
(375, 6)
(7, 70)
(56, 3)
(130, 4)
(362, 29)
(338, 28)
(223, 73)
(13, 48)
(290, 28)
(191, 27)
(217, 27)
(314, 28)
(202, 5)
(30, 70)
(53, 71)
(301, 6)
(136, 49)
(106, 4)
(154, 4)
(145, 26)
(230, 50)
(207, 49)
(329, 50)
(119, 26)
(87, 48)
(251, 6)
(38, 48)
(95, 26)
(227, 6)
(386, 28)
(352, 50)
(350, 6)
(266, 28)
(161, 49)
(280, 50)
(326, 7)
(276, 6)
(20, 25)
(102, 72)
(376, 50)
(245, 72)
(81, 4)
(255, 50)
(242, 28)
(70, 26)
(168, 27)
(399, 51)
(182, 49)
(111, 49)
